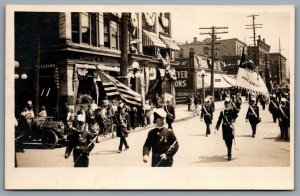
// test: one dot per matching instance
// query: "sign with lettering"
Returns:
(183, 84)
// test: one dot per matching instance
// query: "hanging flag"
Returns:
(248, 77)
(113, 87)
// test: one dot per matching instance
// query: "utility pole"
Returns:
(213, 43)
(36, 106)
(254, 26)
(124, 47)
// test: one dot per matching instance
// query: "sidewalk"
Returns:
(181, 114)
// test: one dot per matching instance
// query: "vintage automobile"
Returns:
(48, 131)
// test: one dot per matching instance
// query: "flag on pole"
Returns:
(249, 78)
(113, 87)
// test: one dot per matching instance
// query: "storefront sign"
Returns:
(183, 84)
(102, 59)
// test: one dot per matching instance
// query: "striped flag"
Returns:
(113, 87)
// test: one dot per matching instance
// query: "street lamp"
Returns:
(136, 74)
(202, 74)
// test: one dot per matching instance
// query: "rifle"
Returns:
(172, 146)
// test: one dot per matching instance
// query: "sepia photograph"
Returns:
(149, 97)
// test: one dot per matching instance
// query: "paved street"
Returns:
(195, 150)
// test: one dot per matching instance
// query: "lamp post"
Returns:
(136, 74)
(202, 74)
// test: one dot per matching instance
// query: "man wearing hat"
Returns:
(284, 119)
(162, 141)
(170, 110)
(81, 143)
(273, 107)
(207, 113)
(253, 116)
(227, 116)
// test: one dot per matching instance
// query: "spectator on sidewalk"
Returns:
(43, 112)
(122, 130)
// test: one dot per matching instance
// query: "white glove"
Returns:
(163, 156)
(145, 158)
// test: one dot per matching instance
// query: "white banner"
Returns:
(252, 81)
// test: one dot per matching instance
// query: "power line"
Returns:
(213, 34)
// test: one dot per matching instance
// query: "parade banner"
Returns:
(249, 78)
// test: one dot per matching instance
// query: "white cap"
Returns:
(80, 118)
(283, 99)
(227, 99)
(160, 112)
(206, 99)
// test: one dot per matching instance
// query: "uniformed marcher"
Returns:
(227, 116)
(170, 110)
(207, 113)
(161, 141)
(81, 142)
(284, 119)
(273, 107)
(253, 116)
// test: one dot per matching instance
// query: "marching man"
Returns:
(162, 141)
(227, 116)
(207, 113)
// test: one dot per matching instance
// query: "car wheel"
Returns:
(49, 139)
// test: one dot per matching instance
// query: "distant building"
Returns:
(277, 68)
(228, 51)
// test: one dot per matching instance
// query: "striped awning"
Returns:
(170, 43)
(85, 66)
(151, 39)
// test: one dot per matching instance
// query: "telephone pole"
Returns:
(254, 26)
(213, 42)
(280, 69)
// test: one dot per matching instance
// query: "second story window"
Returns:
(85, 28)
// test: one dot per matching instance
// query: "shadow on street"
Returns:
(105, 152)
(203, 135)
(209, 159)
(276, 139)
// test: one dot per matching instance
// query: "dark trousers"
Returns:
(156, 161)
(263, 106)
(228, 143)
(207, 129)
(274, 117)
(253, 127)
(123, 141)
(284, 132)
(80, 159)
(170, 124)
(189, 107)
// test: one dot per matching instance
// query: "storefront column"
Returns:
(139, 35)
(101, 29)
(65, 27)
(66, 87)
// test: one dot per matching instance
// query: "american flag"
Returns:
(113, 87)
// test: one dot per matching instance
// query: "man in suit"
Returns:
(284, 119)
(227, 118)
(170, 110)
(253, 116)
(162, 141)
(207, 113)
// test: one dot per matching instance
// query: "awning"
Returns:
(151, 39)
(85, 66)
(170, 43)
(231, 79)
(219, 81)
(108, 68)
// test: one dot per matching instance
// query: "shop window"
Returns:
(106, 33)
(75, 28)
(149, 50)
(114, 35)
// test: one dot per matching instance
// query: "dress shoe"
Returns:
(119, 151)
(126, 148)
(229, 158)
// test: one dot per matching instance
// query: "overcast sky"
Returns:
(276, 20)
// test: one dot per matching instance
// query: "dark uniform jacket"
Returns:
(160, 140)
(170, 113)
(90, 117)
(228, 117)
(82, 144)
(253, 116)
(273, 106)
(284, 116)
(207, 113)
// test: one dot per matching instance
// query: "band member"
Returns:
(122, 129)
(227, 116)
(238, 101)
(273, 108)
(161, 141)
(207, 113)
(253, 116)
(81, 142)
(170, 110)
(284, 119)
